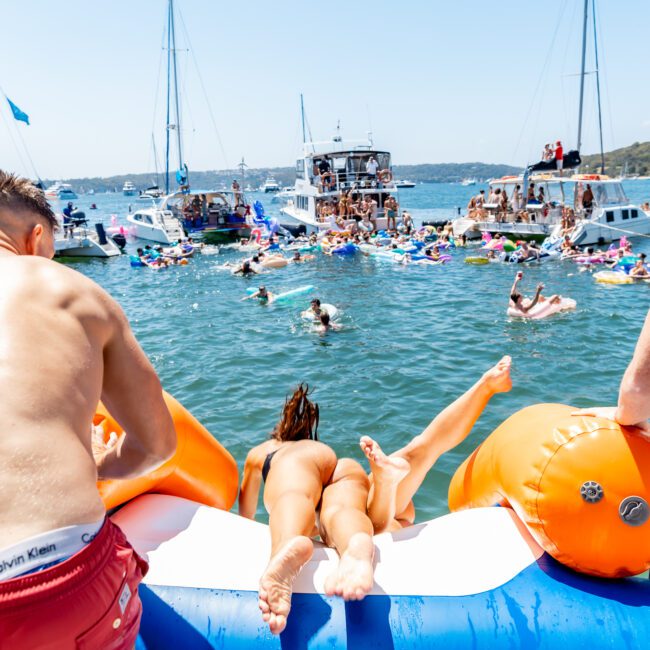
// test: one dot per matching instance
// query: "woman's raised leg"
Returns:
(446, 430)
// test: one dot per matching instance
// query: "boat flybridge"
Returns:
(607, 217)
(326, 171)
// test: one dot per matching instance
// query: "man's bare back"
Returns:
(64, 344)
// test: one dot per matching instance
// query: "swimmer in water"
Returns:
(245, 269)
(326, 323)
(262, 295)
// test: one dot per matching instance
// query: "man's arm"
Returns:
(250, 488)
(132, 393)
(634, 394)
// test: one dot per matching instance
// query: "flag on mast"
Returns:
(18, 114)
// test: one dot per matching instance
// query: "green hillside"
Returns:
(637, 157)
(429, 173)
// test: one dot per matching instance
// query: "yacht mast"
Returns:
(168, 126)
(600, 116)
(582, 73)
(302, 118)
(176, 102)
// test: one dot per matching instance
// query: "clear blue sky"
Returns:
(436, 81)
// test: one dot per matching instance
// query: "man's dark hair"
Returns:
(18, 194)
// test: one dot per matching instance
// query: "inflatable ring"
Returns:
(477, 260)
(200, 470)
(578, 483)
(385, 176)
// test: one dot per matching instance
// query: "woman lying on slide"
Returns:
(301, 474)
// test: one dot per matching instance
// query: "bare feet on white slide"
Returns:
(497, 378)
(353, 578)
(277, 581)
(388, 469)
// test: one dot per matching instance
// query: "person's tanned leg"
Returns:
(387, 472)
(346, 527)
(447, 430)
(292, 519)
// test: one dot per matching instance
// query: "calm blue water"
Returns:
(413, 339)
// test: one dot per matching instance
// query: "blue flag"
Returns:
(18, 114)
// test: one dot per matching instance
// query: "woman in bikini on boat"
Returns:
(300, 475)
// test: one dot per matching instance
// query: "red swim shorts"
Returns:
(88, 601)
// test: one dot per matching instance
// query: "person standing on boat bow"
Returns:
(68, 576)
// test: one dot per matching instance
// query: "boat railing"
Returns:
(345, 180)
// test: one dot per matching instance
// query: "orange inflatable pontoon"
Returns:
(201, 469)
(580, 484)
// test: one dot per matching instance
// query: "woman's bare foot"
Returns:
(353, 578)
(277, 580)
(497, 378)
(388, 469)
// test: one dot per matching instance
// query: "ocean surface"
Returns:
(413, 338)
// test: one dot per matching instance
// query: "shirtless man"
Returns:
(65, 345)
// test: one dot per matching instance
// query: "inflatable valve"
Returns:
(591, 492)
(634, 511)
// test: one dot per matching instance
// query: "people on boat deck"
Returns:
(530, 196)
(548, 153)
(371, 169)
(236, 192)
(391, 208)
(524, 305)
(588, 199)
(67, 211)
(66, 568)
(558, 152)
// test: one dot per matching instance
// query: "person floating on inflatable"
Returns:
(262, 295)
(538, 306)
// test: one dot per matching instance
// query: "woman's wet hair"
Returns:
(299, 419)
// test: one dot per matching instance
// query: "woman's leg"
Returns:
(346, 527)
(447, 430)
(292, 497)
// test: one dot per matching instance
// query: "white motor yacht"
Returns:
(404, 184)
(270, 185)
(326, 171)
(61, 191)
(79, 240)
(155, 224)
(129, 189)
(467, 182)
(606, 217)
(152, 193)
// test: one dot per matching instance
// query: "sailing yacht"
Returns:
(203, 213)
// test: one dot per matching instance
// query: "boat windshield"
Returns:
(609, 194)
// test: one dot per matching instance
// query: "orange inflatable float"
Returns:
(200, 470)
(580, 484)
